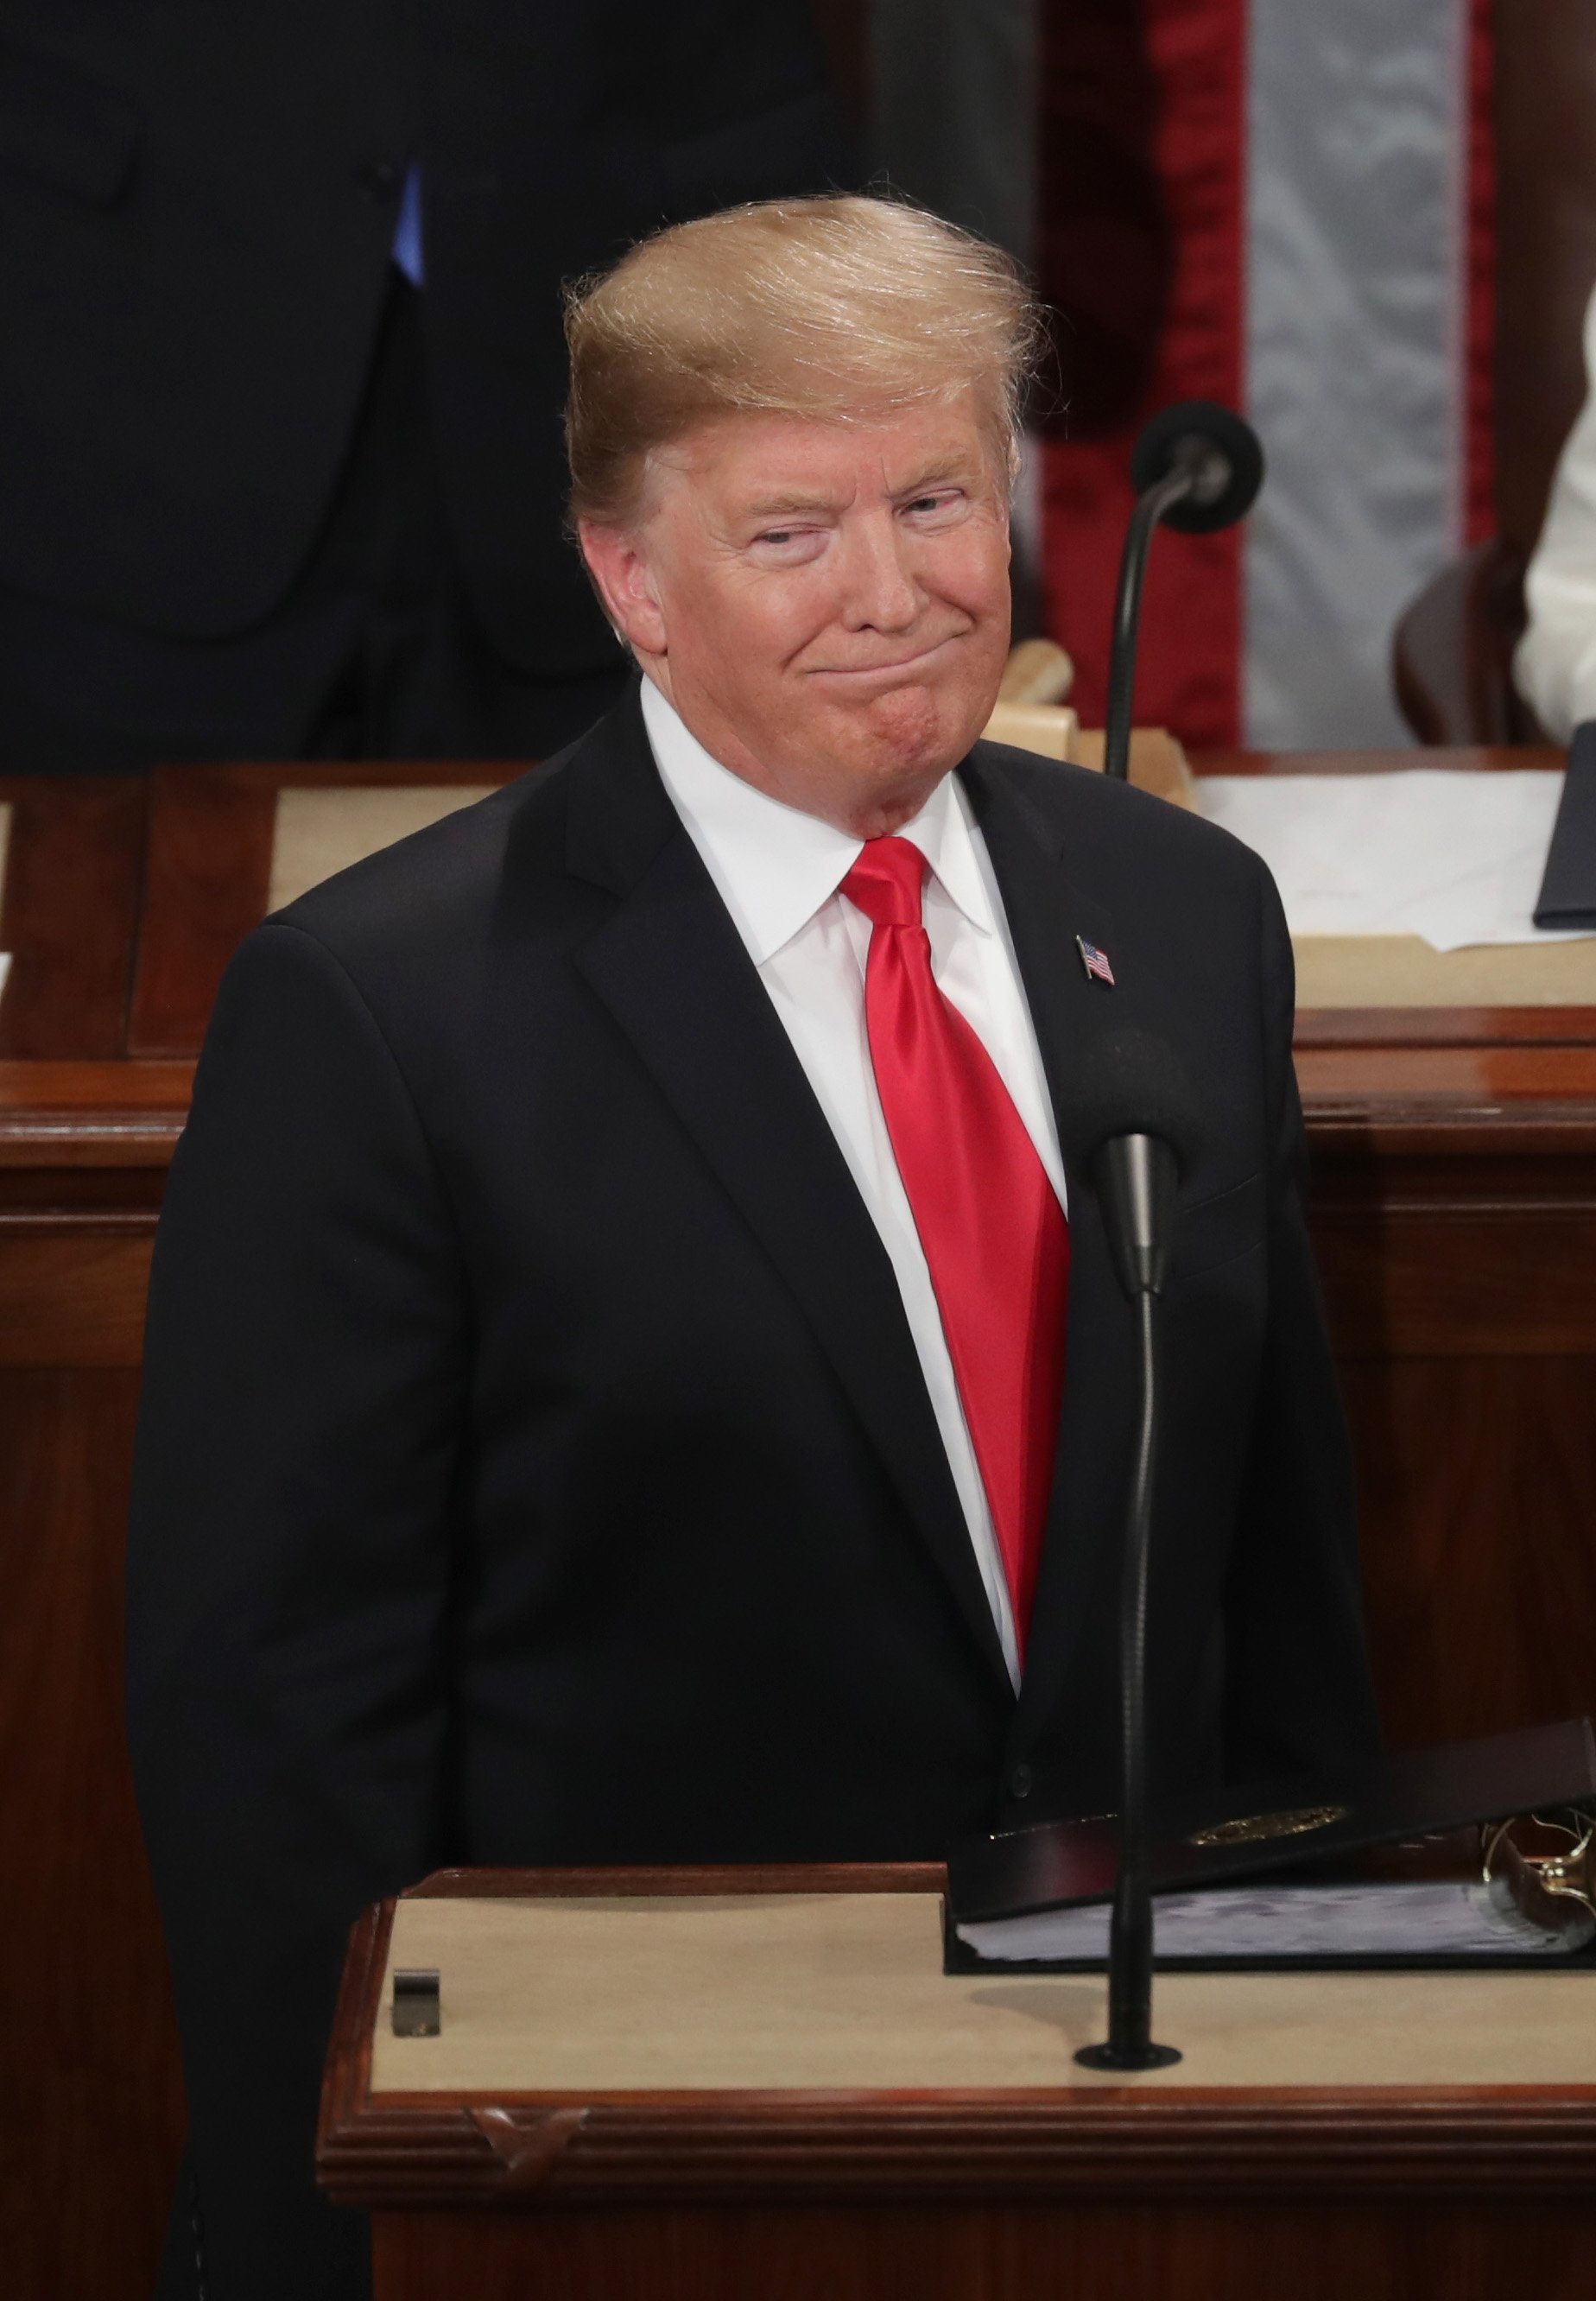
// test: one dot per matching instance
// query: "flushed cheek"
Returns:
(730, 642)
(793, 614)
(980, 594)
(764, 623)
(970, 570)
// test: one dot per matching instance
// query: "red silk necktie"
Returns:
(993, 1232)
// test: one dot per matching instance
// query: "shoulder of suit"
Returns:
(1113, 817)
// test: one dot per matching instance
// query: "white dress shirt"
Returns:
(1555, 667)
(778, 872)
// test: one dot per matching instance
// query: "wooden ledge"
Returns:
(92, 1114)
(408, 2151)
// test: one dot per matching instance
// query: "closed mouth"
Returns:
(874, 670)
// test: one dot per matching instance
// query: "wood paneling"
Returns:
(1476, 1478)
(56, 1117)
(90, 2107)
(1413, 2251)
(210, 862)
(1457, 1250)
(83, 1153)
(1393, 1082)
(1480, 1253)
(1447, 1026)
(75, 1300)
(73, 884)
(91, 2103)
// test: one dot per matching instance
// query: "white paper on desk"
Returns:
(4, 970)
(1452, 856)
(1429, 1918)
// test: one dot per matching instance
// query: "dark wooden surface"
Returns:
(74, 879)
(1190, 2193)
(1301, 2250)
(1454, 1210)
(686, 1879)
(1459, 1257)
(90, 2099)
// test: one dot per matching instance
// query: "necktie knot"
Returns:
(886, 882)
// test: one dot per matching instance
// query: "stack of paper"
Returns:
(1453, 857)
(1427, 1917)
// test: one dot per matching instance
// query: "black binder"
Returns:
(1567, 897)
(1317, 1834)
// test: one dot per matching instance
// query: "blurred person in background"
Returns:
(1555, 667)
(282, 370)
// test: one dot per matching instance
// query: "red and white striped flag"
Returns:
(1325, 168)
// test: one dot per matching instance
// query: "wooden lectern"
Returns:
(758, 2085)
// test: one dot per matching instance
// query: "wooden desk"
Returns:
(722, 2084)
(1454, 1209)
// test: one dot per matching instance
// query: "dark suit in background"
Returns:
(256, 494)
(535, 1462)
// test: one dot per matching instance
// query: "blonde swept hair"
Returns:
(847, 309)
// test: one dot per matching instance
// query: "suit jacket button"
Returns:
(1019, 1782)
(379, 179)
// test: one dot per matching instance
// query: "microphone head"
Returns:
(1224, 451)
(1130, 1082)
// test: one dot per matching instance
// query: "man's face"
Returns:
(825, 604)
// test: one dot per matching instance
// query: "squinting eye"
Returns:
(790, 545)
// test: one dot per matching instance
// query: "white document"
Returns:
(4, 970)
(1432, 1918)
(1451, 857)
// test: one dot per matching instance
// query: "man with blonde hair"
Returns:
(607, 1392)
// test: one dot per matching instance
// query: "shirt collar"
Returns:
(775, 867)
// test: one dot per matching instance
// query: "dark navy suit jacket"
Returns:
(535, 1464)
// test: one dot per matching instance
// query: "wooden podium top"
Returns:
(620, 2034)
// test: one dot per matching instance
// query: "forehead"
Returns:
(755, 458)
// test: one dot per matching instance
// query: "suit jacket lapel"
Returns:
(671, 969)
(1047, 909)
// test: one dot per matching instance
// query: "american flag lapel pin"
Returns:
(1095, 962)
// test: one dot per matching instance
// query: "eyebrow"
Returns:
(782, 506)
(954, 465)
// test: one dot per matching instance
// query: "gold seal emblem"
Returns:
(1254, 1829)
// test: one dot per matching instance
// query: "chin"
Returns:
(918, 730)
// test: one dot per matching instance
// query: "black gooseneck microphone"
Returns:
(1132, 1132)
(1196, 467)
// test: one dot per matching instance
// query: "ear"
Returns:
(618, 562)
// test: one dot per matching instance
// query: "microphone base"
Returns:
(1109, 2056)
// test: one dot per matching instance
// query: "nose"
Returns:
(880, 591)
